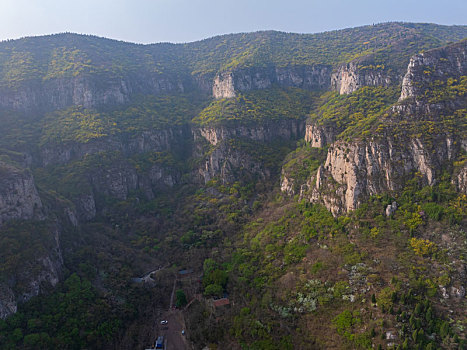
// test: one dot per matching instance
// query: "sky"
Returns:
(151, 21)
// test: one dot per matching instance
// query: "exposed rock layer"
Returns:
(315, 77)
(428, 67)
(18, 195)
(319, 136)
(354, 75)
(353, 172)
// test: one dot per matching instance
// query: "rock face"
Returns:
(223, 86)
(391, 209)
(227, 162)
(352, 76)
(19, 200)
(318, 135)
(83, 90)
(18, 195)
(287, 184)
(315, 77)
(85, 206)
(38, 272)
(119, 180)
(285, 130)
(433, 65)
(146, 141)
(354, 171)
(346, 79)
(8, 304)
(229, 165)
(461, 180)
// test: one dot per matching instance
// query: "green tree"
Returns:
(180, 298)
(213, 290)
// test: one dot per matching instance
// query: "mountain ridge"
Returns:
(318, 207)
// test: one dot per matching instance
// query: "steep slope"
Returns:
(123, 164)
(422, 134)
(59, 71)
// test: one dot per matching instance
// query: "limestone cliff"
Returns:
(229, 160)
(354, 171)
(352, 76)
(91, 90)
(286, 130)
(318, 135)
(147, 141)
(18, 195)
(230, 165)
(120, 179)
(226, 84)
(460, 180)
(34, 273)
(435, 65)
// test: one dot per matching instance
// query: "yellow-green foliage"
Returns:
(356, 113)
(68, 62)
(76, 124)
(450, 89)
(144, 113)
(422, 247)
(387, 46)
(261, 105)
(19, 67)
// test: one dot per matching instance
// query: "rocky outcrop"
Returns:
(224, 86)
(434, 65)
(229, 162)
(292, 187)
(230, 165)
(227, 84)
(286, 130)
(18, 195)
(287, 184)
(35, 273)
(460, 180)
(353, 172)
(89, 91)
(352, 76)
(318, 135)
(122, 178)
(8, 303)
(117, 181)
(85, 206)
(146, 141)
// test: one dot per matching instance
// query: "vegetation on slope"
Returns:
(69, 55)
(144, 113)
(258, 107)
(297, 277)
(354, 114)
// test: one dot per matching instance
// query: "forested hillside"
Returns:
(262, 190)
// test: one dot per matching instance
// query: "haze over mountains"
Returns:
(316, 180)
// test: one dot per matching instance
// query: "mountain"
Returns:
(316, 183)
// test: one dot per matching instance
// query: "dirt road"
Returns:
(173, 331)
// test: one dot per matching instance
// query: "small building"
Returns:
(221, 302)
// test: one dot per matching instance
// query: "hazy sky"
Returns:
(148, 21)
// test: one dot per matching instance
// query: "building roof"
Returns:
(221, 302)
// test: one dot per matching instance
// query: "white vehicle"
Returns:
(164, 322)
